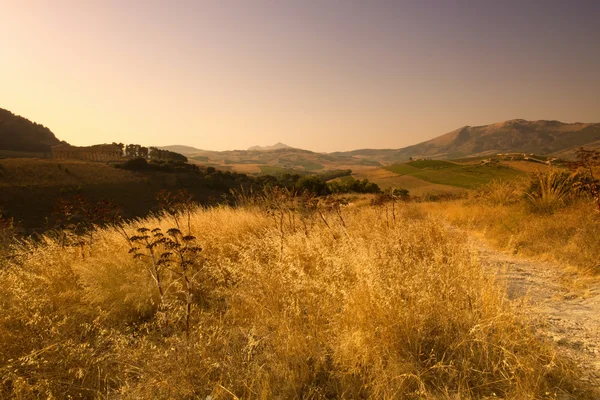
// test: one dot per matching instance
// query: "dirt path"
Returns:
(571, 319)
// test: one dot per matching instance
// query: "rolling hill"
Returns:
(467, 146)
(518, 135)
(386, 167)
(181, 149)
(276, 146)
(467, 176)
(30, 188)
(18, 134)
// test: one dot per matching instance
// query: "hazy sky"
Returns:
(318, 74)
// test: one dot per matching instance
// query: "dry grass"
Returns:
(290, 307)
(549, 220)
(551, 191)
(526, 166)
(570, 236)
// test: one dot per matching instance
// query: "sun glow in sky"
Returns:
(324, 75)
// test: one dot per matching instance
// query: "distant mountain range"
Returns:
(518, 135)
(276, 146)
(181, 149)
(20, 134)
(515, 136)
(189, 150)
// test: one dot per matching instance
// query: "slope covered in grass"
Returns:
(518, 135)
(562, 229)
(447, 173)
(290, 302)
(385, 179)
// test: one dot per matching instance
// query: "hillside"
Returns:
(256, 161)
(539, 137)
(18, 134)
(30, 188)
(21, 137)
(467, 176)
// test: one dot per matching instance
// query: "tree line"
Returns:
(152, 153)
(318, 184)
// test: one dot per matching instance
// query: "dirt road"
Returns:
(569, 317)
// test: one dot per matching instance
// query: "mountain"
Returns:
(518, 135)
(276, 146)
(185, 150)
(20, 134)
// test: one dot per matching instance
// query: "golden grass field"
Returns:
(570, 235)
(526, 166)
(286, 302)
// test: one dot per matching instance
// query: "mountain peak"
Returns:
(515, 135)
(276, 146)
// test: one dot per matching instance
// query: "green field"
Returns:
(453, 174)
(432, 164)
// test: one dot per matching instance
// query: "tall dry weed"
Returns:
(499, 192)
(568, 236)
(350, 305)
(550, 190)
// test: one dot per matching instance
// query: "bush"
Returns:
(336, 173)
(353, 185)
(135, 164)
(312, 184)
(551, 190)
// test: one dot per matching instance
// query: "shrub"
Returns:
(353, 185)
(312, 184)
(135, 164)
(336, 173)
(551, 190)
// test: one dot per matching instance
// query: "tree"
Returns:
(119, 145)
(143, 152)
(312, 184)
(353, 185)
(154, 153)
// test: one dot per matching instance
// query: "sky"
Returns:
(324, 75)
